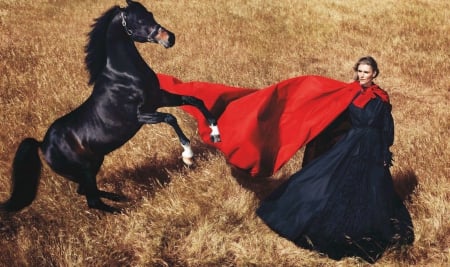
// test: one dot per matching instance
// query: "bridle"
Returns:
(124, 24)
(151, 36)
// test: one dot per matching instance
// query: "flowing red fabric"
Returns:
(261, 129)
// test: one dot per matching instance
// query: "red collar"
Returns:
(370, 93)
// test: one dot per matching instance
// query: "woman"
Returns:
(343, 203)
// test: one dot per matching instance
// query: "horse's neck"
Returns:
(121, 52)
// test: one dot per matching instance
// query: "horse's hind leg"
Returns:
(88, 187)
(158, 117)
(169, 99)
(86, 176)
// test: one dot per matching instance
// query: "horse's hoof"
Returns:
(112, 196)
(188, 161)
(99, 205)
(215, 138)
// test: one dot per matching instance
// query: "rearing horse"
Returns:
(125, 96)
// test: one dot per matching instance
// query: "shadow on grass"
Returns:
(405, 183)
(154, 173)
(150, 175)
(261, 186)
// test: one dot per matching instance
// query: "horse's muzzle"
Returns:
(162, 37)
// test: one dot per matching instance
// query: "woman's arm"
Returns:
(388, 134)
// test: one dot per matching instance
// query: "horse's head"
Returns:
(142, 27)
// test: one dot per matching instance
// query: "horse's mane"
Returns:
(95, 49)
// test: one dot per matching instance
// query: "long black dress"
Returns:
(343, 203)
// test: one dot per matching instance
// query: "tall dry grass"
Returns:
(204, 216)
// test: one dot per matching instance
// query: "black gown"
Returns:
(343, 203)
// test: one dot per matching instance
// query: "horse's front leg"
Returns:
(198, 103)
(169, 99)
(158, 117)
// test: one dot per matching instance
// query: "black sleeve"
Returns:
(388, 134)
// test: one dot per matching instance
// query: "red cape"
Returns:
(261, 129)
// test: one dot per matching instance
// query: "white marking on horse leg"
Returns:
(215, 135)
(187, 154)
(214, 130)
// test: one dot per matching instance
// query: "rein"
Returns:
(152, 34)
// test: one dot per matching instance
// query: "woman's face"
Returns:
(365, 75)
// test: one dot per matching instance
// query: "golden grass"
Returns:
(204, 216)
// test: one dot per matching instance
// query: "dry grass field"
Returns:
(204, 215)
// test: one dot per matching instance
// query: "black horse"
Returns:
(125, 96)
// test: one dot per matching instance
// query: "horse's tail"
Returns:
(26, 171)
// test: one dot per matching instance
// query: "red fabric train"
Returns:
(261, 129)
